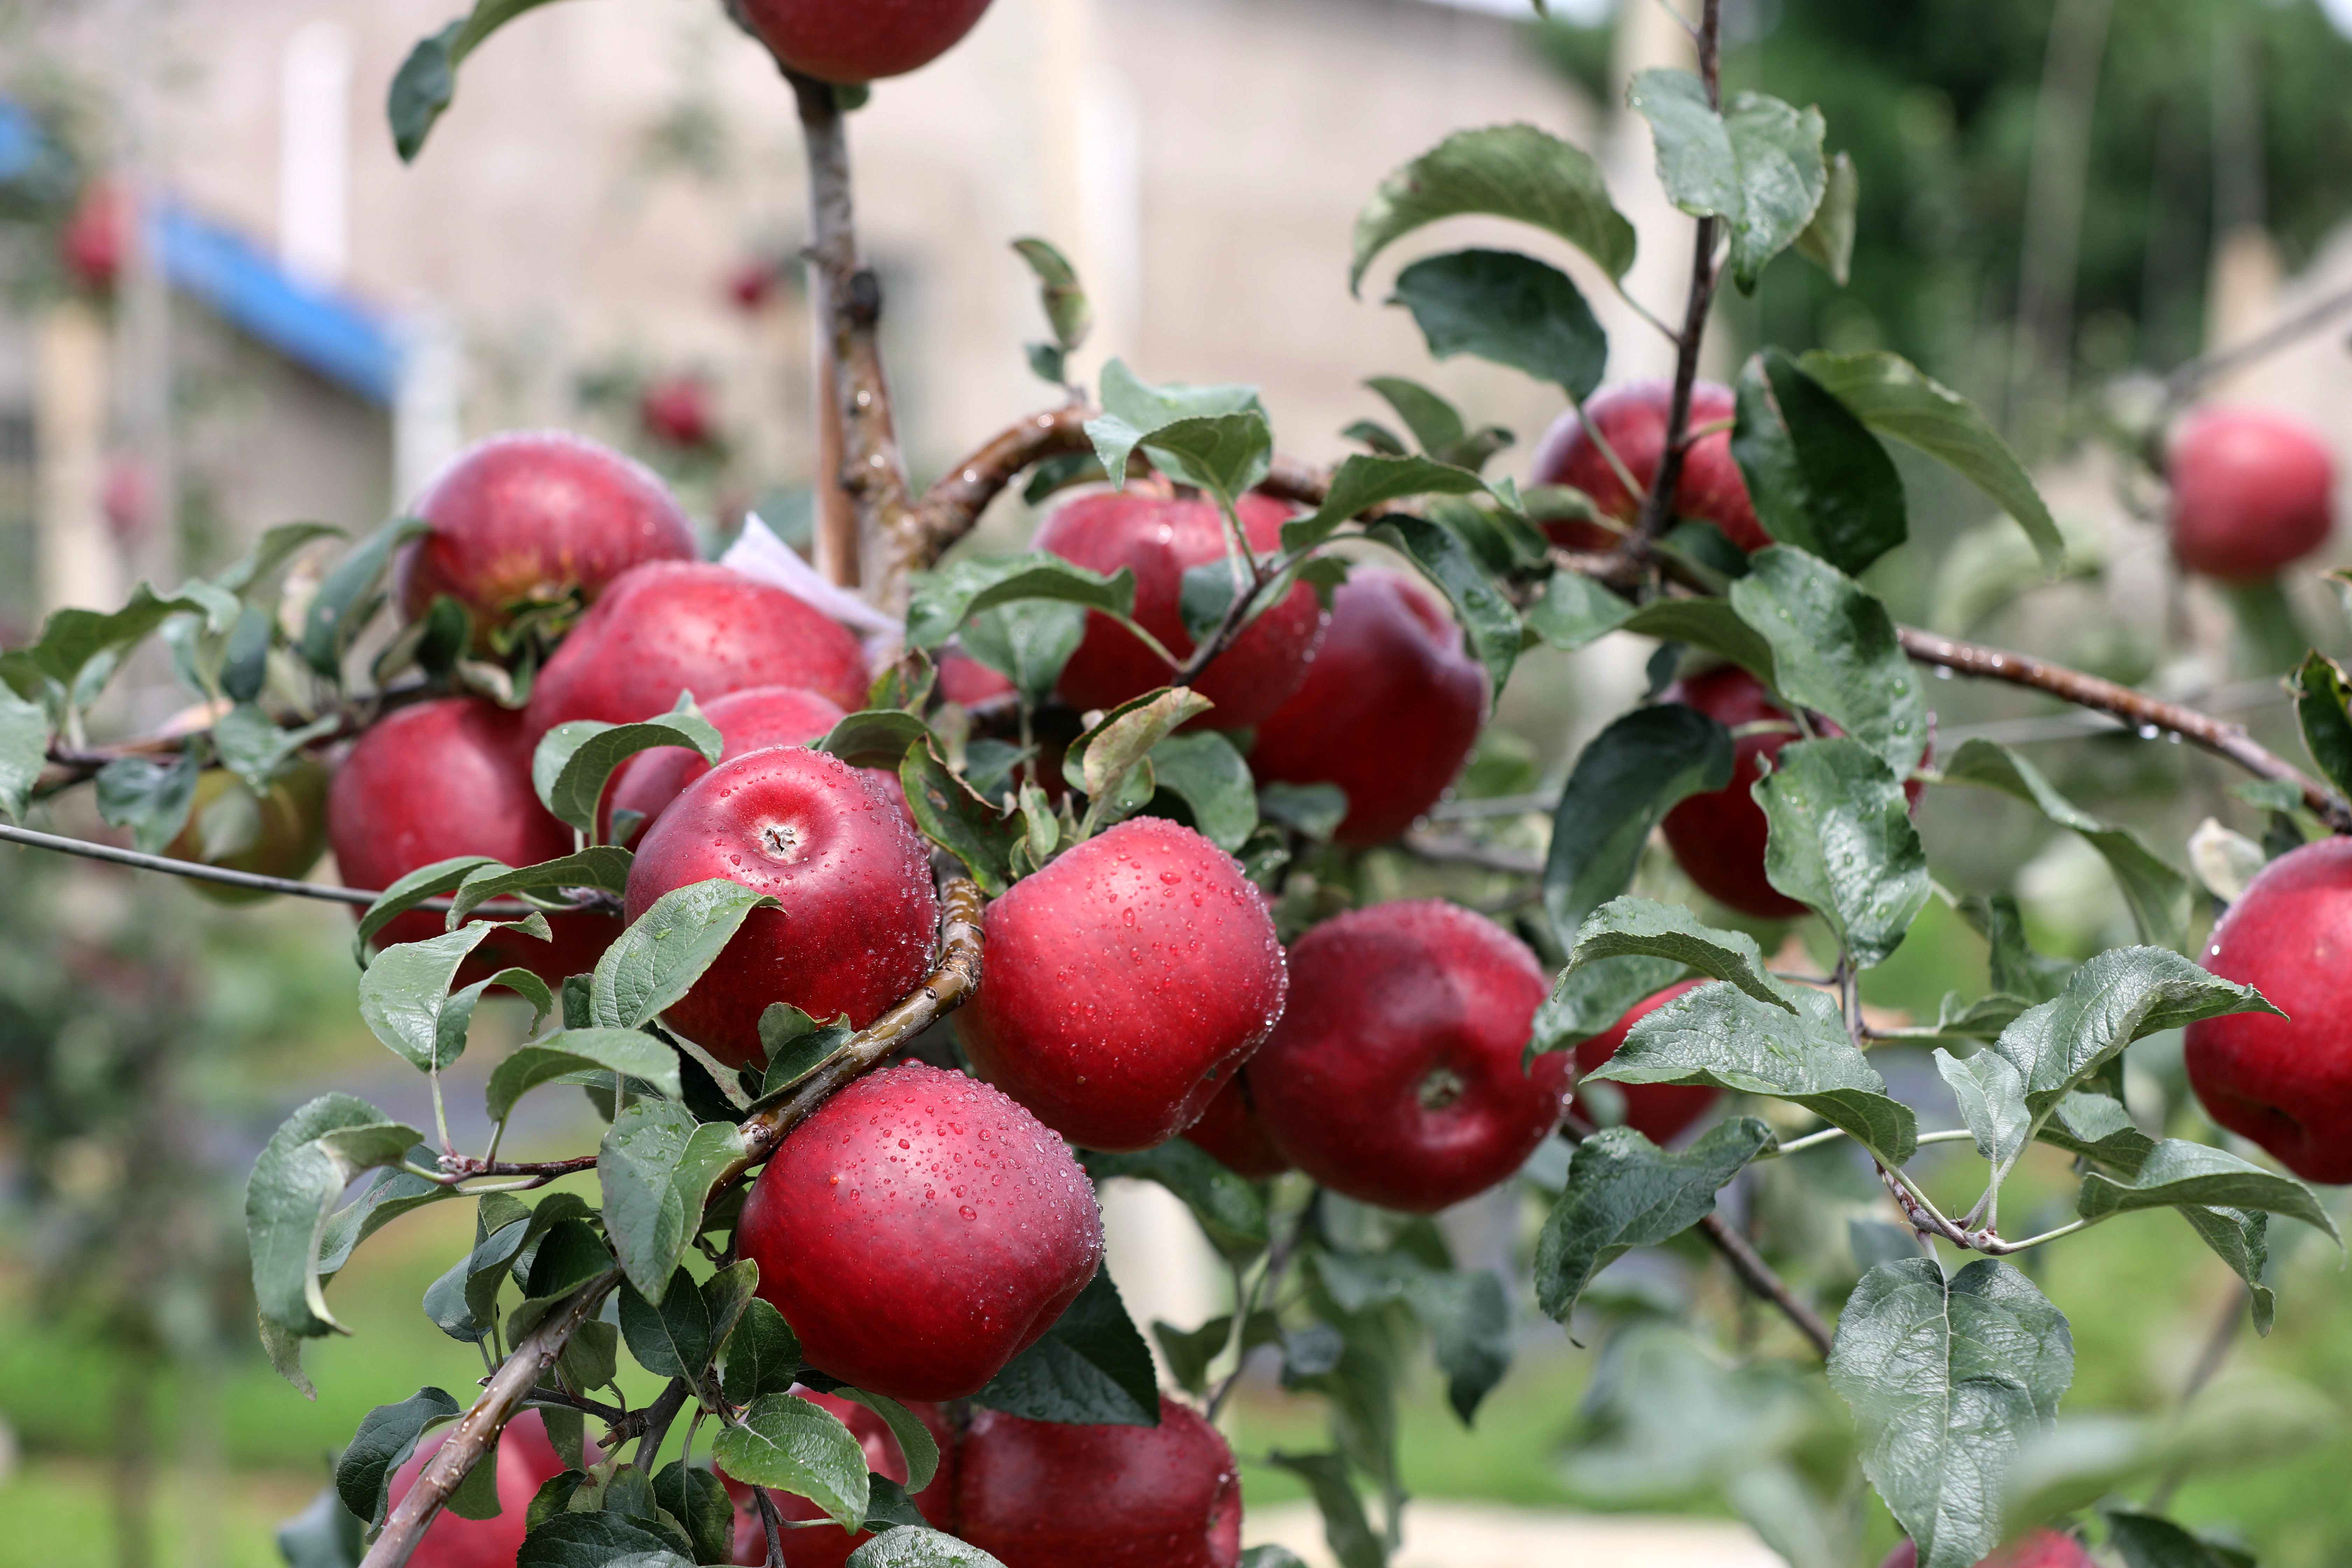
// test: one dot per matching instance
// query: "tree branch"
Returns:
(849, 299)
(1658, 506)
(2187, 381)
(480, 1427)
(2135, 708)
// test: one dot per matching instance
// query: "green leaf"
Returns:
(1132, 410)
(1313, 810)
(1231, 1209)
(24, 751)
(916, 1443)
(73, 640)
(764, 1355)
(1364, 484)
(670, 1338)
(1828, 240)
(1345, 1529)
(2148, 1542)
(1947, 1378)
(1834, 651)
(599, 1540)
(1489, 624)
(698, 1499)
(1225, 455)
(1819, 477)
(957, 820)
(415, 887)
(601, 865)
(1758, 165)
(575, 760)
(1575, 611)
(657, 1166)
(1625, 1192)
(1271, 1557)
(1630, 927)
(326, 1534)
(1992, 1102)
(1099, 760)
(1709, 624)
(2180, 1175)
(1891, 396)
(257, 751)
(792, 1446)
(1208, 774)
(943, 600)
(314, 1154)
(2241, 1238)
(1589, 999)
(1434, 423)
(427, 80)
(151, 798)
(2089, 1124)
(1665, 1418)
(1066, 302)
(405, 996)
(1719, 1035)
(873, 738)
(1027, 643)
(1505, 171)
(1841, 842)
(797, 1045)
(1092, 1367)
(2123, 995)
(345, 599)
(2322, 691)
(909, 1546)
(570, 1051)
(666, 949)
(1508, 308)
(2158, 895)
(1625, 783)
(1468, 1315)
(387, 1436)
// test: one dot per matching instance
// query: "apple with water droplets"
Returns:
(920, 1231)
(1233, 1133)
(1124, 985)
(1631, 418)
(2041, 1549)
(747, 722)
(2252, 492)
(1040, 1494)
(1658, 1111)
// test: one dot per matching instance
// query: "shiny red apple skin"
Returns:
(858, 919)
(1158, 537)
(2252, 492)
(747, 722)
(1389, 710)
(1230, 1131)
(1124, 985)
(920, 1231)
(965, 680)
(1413, 1017)
(1658, 1111)
(2286, 1083)
(860, 42)
(676, 411)
(671, 627)
(96, 236)
(526, 1461)
(2041, 1549)
(448, 777)
(531, 517)
(829, 1546)
(1632, 417)
(1717, 837)
(1040, 1494)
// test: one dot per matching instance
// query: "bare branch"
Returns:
(1759, 1277)
(2187, 381)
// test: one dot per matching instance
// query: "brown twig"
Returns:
(2136, 708)
(480, 1427)
(1658, 506)
(849, 305)
(2188, 380)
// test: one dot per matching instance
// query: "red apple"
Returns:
(829, 1546)
(2286, 1083)
(920, 1231)
(964, 679)
(751, 285)
(1231, 1131)
(1158, 537)
(444, 778)
(675, 626)
(95, 238)
(526, 1461)
(1126, 982)
(1389, 711)
(1040, 1494)
(531, 517)
(2252, 492)
(676, 411)
(1632, 418)
(862, 42)
(1394, 1077)
(1658, 1111)
(747, 722)
(859, 914)
(2041, 1549)
(1717, 837)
